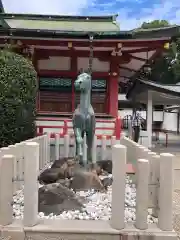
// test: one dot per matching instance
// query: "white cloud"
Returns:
(131, 16)
(166, 10)
(70, 7)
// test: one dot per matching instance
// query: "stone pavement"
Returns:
(176, 212)
(174, 148)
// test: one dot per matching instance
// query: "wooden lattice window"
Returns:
(98, 96)
(55, 94)
(55, 84)
(99, 85)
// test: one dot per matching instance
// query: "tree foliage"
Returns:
(18, 89)
(165, 68)
(175, 50)
(155, 24)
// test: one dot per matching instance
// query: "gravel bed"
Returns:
(98, 206)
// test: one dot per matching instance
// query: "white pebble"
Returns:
(97, 207)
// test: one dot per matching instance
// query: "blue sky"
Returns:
(132, 13)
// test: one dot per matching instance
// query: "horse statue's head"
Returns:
(83, 82)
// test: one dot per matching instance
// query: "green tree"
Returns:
(155, 24)
(175, 52)
(18, 80)
(165, 68)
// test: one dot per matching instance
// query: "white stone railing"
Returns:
(101, 147)
(154, 183)
(18, 151)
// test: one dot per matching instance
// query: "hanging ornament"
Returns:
(91, 37)
(166, 46)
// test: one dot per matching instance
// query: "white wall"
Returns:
(97, 66)
(170, 121)
(122, 97)
(64, 63)
(56, 124)
(55, 63)
(170, 118)
(157, 115)
(124, 112)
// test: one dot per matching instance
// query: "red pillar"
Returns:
(74, 69)
(113, 87)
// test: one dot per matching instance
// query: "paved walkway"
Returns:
(173, 147)
(176, 212)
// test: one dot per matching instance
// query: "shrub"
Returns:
(18, 88)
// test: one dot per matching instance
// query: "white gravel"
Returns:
(98, 206)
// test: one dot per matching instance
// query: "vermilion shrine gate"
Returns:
(59, 46)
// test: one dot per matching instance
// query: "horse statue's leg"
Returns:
(79, 142)
(89, 141)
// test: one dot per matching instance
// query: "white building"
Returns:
(153, 99)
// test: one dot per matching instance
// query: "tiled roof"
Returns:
(173, 88)
(156, 32)
(141, 85)
(62, 23)
(77, 26)
(92, 26)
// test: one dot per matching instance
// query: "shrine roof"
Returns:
(33, 26)
(158, 86)
(61, 23)
(172, 30)
(77, 26)
(162, 93)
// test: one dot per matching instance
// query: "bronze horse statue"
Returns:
(84, 118)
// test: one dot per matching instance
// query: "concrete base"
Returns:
(81, 230)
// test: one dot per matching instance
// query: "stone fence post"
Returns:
(94, 150)
(103, 147)
(66, 145)
(6, 189)
(48, 147)
(118, 185)
(31, 185)
(142, 194)
(20, 164)
(165, 217)
(154, 178)
(57, 142)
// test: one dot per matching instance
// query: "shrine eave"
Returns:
(172, 31)
(31, 33)
(58, 17)
(172, 108)
(162, 94)
(55, 34)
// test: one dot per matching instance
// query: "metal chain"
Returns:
(90, 54)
